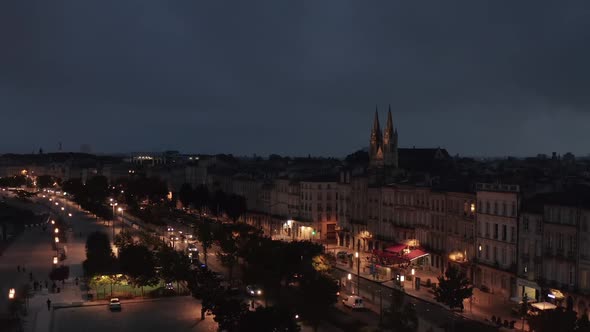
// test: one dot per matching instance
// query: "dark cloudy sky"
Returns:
(294, 77)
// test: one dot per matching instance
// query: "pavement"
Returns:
(479, 308)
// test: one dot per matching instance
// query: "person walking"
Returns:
(48, 304)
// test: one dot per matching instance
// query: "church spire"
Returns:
(388, 133)
(376, 133)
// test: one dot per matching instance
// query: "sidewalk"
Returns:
(481, 308)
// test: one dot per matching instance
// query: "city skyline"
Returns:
(215, 78)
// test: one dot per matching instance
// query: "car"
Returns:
(253, 290)
(192, 247)
(115, 304)
(353, 302)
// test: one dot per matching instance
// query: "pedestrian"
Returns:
(48, 304)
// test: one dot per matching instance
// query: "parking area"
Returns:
(174, 314)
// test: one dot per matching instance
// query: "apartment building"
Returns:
(497, 224)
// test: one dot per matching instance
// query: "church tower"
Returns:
(390, 156)
(376, 144)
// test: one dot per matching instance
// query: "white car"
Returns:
(253, 290)
(115, 304)
(354, 302)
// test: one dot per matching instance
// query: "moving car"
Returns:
(353, 302)
(115, 304)
(253, 290)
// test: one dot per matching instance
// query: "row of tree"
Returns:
(217, 203)
(141, 264)
(271, 264)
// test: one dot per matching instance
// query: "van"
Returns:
(353, 302)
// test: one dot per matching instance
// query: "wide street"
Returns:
(171, 314)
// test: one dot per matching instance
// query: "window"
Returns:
(495, 231)
(504, 210)
(512, 234)
(495, 254)
(487, 251)
(513, 210)
(525, 223)
(504, 232)
(539, 226)
(495, 207)
(504, 255)
(487, 207)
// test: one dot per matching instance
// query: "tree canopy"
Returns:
(99, 255)
(453, 288)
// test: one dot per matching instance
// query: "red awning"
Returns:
(381, 253)
(397, 248)
(415, 254)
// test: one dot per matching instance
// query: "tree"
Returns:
(583, 324)
(453, 288)
(139, 264)
(553, 320)
(217, 202)
(201, 198)
(45, 181)
(204, 234)
(99, 256)
(235, 207)
(175, 265)
(228, 313)
(124, 238)
(318, 295)
(228, 256)
(269, 319)
(205, 287)
(323, 263)
(186, 194)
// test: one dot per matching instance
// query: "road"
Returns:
(173, 314)
(377, 296)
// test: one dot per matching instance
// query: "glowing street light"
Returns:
(56, 239)
(56, 231)
(349, 276)
(55, 260)
(53, 222)
(11, 293)
(69, 214)
(63, 208)
(56, 203)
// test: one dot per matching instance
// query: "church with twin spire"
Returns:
(383, 148)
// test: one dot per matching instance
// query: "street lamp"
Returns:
(69, 214)
(358, 272)
(56, 239)
(11, 293)
(55, 260)
(56, 231)
(53, 222)
(113, 204)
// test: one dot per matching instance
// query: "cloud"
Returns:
(277, 67)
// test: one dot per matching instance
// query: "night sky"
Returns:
(294, 77)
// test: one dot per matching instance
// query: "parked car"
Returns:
(115, 304)
(253, 290)
(353, 302)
